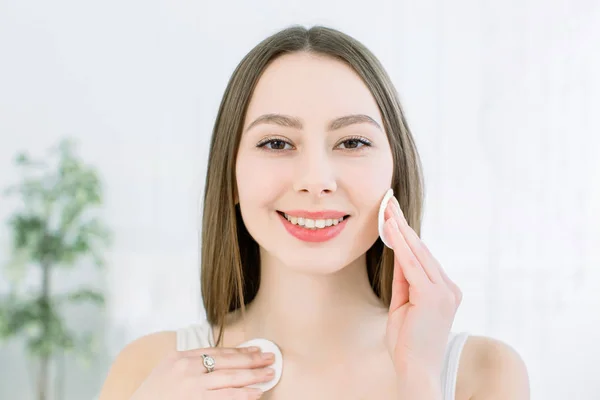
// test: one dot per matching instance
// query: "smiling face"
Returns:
(313, 150)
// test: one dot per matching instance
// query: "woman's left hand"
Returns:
(423, 305)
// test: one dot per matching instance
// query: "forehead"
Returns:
(314, 88)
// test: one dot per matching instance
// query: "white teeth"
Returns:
(312, 223)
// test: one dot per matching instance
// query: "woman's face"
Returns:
(321, 156)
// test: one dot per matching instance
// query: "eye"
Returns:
(355, 143)
(274, 144)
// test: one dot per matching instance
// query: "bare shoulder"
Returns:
(491, 369)
(135, 362)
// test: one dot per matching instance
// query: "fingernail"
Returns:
(392, 204)
(270, 372)
(397, 208)
(267, 356)
(253, 349)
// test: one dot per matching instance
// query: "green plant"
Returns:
(55, 227)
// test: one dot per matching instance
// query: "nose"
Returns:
(315, 174)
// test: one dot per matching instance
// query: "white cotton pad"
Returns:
(384, 202)
(267, 347)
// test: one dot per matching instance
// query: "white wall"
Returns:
(501, 96)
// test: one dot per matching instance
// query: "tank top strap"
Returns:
(454, 349)
(195, 336)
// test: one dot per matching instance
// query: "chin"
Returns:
(315, 261)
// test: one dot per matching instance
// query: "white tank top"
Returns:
(200, 335)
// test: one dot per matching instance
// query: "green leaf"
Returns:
(81, 296)
(18, 317)
(53, 336)
(16, 266)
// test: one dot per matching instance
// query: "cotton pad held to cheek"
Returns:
(382, 206)
(267, 347)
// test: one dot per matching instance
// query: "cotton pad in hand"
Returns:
(382, 206)
(267, 347)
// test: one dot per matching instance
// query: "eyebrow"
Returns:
(293, 122)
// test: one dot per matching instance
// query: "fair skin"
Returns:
(325, 313)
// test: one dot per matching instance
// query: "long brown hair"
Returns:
(230, 261)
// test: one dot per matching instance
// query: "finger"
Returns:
(412, 269)
(430, 264)
(236, 378)
(453, 286)
(240, 360)
(211, 351)
(400, 286)
(416, 245)
(233, 394)
(400, 294)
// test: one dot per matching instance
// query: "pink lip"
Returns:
(325, 214)
(313, 235)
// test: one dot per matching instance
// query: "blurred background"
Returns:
(502, 98)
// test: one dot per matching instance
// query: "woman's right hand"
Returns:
(182, 375)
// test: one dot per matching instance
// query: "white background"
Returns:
(502, 97)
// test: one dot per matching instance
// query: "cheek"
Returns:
(369, 180)
(366, 184)
(261, 180)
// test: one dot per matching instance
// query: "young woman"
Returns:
(309, 137)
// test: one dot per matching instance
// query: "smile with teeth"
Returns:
(312, 223)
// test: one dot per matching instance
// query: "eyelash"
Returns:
(263, 143)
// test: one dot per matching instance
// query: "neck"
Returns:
(308, 314)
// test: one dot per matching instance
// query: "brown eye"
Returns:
(354, 144)
(277, 144)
